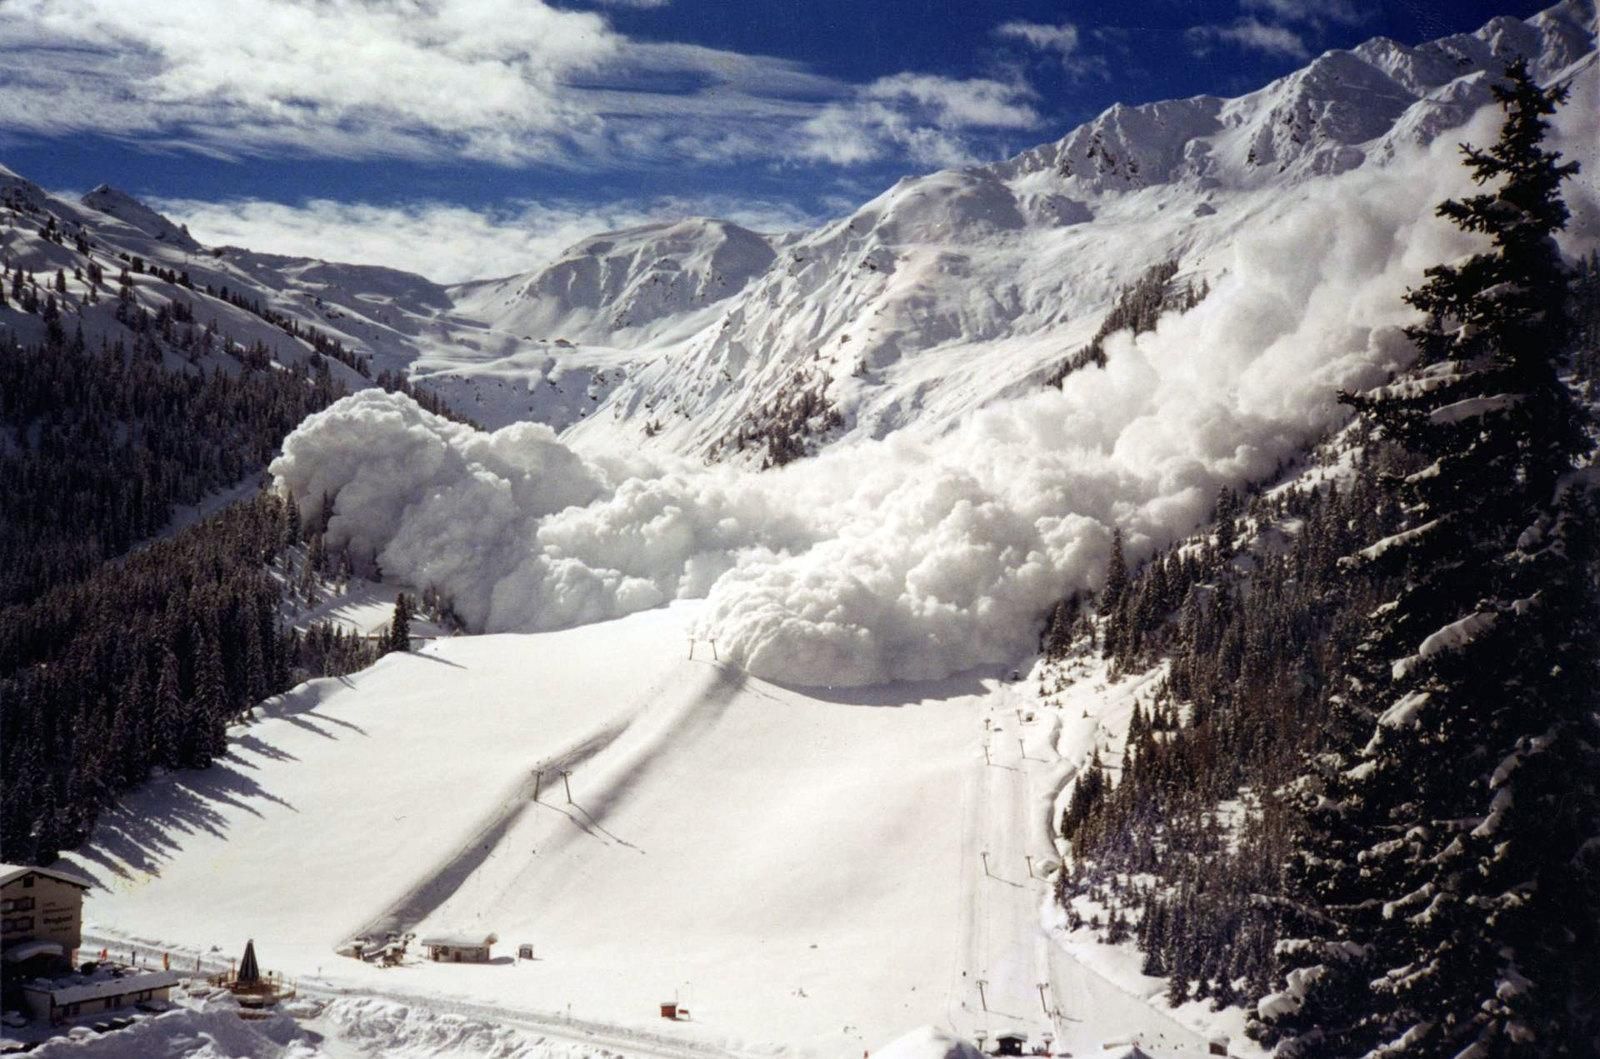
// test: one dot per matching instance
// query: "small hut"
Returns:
(1010, 1043)
(459, 947)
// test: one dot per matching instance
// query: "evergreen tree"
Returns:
(1116, 575)
(211, 700)
(400, 628)
(1114, 599)
(1448, 859)
(169, 727)
(1227, 519)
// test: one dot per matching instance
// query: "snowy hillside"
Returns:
(622, 282)
(729, 843)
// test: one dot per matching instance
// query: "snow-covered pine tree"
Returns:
(400, 627)
(1448, 861)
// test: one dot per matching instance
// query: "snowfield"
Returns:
(729, 843)
(811, 873)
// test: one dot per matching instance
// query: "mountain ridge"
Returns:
(943, 293)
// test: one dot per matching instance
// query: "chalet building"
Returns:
(41, 918)
(104, 989)
(459, 947)
(41, 928)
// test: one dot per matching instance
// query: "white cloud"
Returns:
(447, 243)
(952, 103)
(926, 117)
(383, 73)
(1253, 34)
(1064, 40)
(1276, 34)
(1312, 12)
(1045, 37)
(504, 81)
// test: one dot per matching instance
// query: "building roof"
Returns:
(78, 988)
(249, 970)
(459, 939)
(27, 950)
(9, 872)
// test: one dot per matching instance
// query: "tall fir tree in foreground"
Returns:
(1448, 864)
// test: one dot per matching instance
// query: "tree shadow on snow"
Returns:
(356, 728)
(260, 748)
(436, 658)
(144, 831)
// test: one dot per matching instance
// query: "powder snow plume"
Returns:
(909, 557)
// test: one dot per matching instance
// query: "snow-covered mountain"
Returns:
(953, 289)
(912, 344)
(946, 292)
(620, 283)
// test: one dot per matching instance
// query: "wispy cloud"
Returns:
(1252, 34)
(445, 242)
(1064, 40)
(1045, 37)
(380, 77)
(923, 116)
(512, 82)
(1311, 12)
(1282, 28)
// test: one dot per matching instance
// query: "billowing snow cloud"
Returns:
(910, 557)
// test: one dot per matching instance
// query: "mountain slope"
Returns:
(916, 306)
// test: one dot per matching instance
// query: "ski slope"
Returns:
(805, 872)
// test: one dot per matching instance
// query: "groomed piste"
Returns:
(813, 871)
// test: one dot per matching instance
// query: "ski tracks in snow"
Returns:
(1006, 802)
(541, 786)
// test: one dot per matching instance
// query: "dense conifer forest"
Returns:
(97, 446)
(143, 665)
(119, 656)
(1184, 837)
(1284, 828)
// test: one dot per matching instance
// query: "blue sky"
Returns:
(313, 127)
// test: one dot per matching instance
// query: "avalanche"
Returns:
(922, 554)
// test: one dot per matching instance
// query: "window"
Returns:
(27, 882)
(16, 923)
(17, 904)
